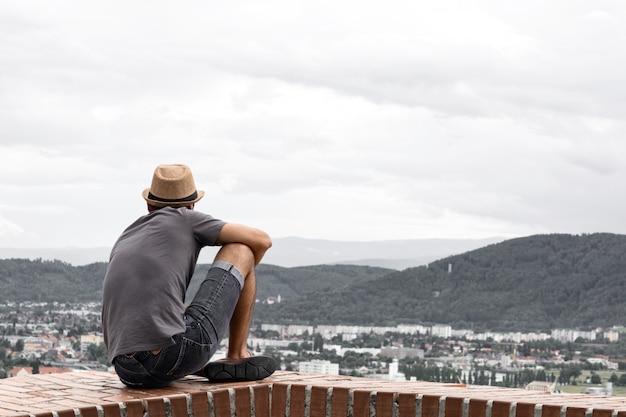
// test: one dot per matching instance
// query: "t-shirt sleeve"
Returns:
(206, 228)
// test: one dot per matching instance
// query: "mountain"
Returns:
(534, 283)
(70, 255)
(290, 283)
(293, 251)
(395, 254)
(47, 281)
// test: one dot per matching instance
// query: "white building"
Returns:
(394, 375)
(441, 331)
(611, 335)
(568, 335)
(411, 329)
(402, 352)
(319, 367)
(279, 328)
(89, 339)
(299, 330)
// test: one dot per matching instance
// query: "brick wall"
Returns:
(286, 394)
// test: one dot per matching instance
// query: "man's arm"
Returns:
(257, 240)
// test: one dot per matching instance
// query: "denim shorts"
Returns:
(206, 322)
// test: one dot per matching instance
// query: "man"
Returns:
(152, 339)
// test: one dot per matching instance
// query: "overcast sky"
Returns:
(341, 120)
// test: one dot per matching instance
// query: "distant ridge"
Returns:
(539, 282)
(394, 254)
(295, 251)
(536, 283)
(73, 256)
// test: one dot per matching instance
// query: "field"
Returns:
(581, 386)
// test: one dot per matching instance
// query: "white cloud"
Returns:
(342, 120)
(9, 229)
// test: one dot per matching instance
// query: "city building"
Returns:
(319, 367)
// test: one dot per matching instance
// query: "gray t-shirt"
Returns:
(149, 270)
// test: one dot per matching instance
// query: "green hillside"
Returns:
(47, 281)
(290, 283)
(533, 283)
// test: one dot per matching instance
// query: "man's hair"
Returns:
(152, 208)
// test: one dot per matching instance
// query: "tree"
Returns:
(19, 345)
(35, 365)
(568, 373)
(318, 343)
(97, 353)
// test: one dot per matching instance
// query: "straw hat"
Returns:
(172, 185)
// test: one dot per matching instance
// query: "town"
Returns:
(63, 337)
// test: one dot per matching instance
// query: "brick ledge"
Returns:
(286, 394)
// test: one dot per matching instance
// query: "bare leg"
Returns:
(242, 257)
(242, 319)
(235, 366)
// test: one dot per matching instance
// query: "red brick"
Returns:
(85, 391)
(575, 412)
(110, 410)
(261, 400)
(318, 401)
(279, 400)
(178, 405)
(67, 413)
(200, 403)
(477, 408)
(134, 408)
(221, 402)
(598, 412)
(297, 400)
(361, 403)
(430, 406)
(339, 402)
(44, 414)
(525, 410)
(89, 412)
(243, 404)
(384, 404)
(454, 407)
(155, 407)
(500, 409)
(68, 402)
(551, 410)
(406, 405)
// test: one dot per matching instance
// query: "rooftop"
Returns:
(285, 394)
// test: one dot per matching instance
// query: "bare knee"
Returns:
(239, 255)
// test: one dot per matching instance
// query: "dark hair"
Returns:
(152, 208)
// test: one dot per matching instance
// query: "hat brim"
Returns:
(158, 203)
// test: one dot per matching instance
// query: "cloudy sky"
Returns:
(342, 120)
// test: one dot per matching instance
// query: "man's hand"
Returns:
(257, 240)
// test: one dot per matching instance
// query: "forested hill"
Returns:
(48, 281)
(534, 283)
